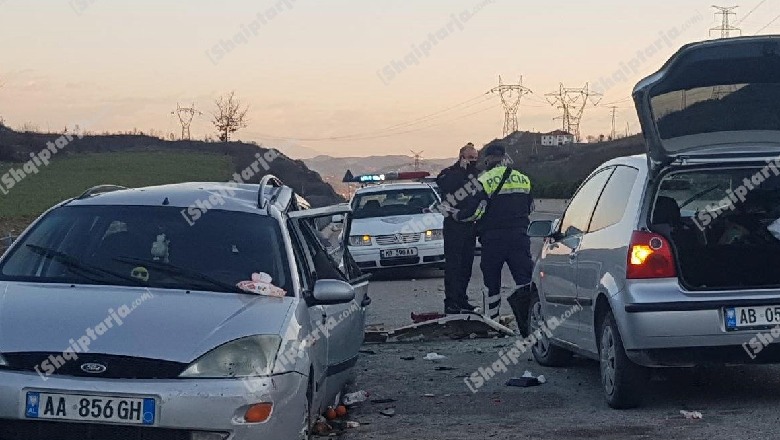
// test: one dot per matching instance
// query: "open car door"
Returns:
(325, 232)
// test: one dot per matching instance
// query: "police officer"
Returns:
(460, 238)
(501, 209)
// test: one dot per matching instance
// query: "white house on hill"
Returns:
(556, 138)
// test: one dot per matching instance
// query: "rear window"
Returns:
(719, 108)
(150, 246)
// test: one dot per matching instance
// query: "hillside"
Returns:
(558, 171)
(138, 160)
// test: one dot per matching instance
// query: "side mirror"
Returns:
(541, 229)
(327, 292)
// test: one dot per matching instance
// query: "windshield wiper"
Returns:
(182, 272)
(74, 263)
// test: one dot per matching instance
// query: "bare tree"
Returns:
(230, 116)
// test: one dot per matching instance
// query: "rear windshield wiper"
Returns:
(74, 263)
(182, 272)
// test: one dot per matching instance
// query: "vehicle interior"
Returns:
(717, 247)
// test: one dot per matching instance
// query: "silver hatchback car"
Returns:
(198, 311)
(673, 256)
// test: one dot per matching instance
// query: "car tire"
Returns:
(544, 352)
(622, 380)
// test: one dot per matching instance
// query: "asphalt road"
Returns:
(736, 402)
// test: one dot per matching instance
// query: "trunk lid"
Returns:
(716, 99)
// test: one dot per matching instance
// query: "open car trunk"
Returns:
(724, 225)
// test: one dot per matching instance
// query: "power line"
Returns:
(768, 24)
(379, 135)
(751, 12)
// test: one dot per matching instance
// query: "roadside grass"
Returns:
(72, 175)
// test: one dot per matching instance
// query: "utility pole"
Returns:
(725, 30)
(573, 102)
(614, 133)
(510, 94)
(186, 115)
(417, 159)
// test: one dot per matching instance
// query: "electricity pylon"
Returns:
(417, 159)
(510, 94)
(186, 115)
(725, 27)
(725, 30)
(573, 102)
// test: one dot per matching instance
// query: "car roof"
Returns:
(222, 196)
(392, 186)
(637, 161)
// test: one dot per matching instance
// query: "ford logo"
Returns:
(93, 368)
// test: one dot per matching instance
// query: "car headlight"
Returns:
(360, 240)
(434, 234)
(246, 357)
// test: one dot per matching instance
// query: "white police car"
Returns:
(395, 224)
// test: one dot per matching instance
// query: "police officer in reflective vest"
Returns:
(501, 210)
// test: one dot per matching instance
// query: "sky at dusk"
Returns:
(339, 77)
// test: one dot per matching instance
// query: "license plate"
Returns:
(752, 317)
(391, 253)
(77, 407)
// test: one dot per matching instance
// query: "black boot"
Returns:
(520, 301)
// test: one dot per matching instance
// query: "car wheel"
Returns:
(544, 351)
(622, 379)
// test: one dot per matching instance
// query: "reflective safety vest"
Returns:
(516, 184)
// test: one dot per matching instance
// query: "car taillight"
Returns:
(650, 256)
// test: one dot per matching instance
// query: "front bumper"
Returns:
(683, 329)
(207, 409)
(428, 253)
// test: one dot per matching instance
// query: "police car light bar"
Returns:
(376, 178)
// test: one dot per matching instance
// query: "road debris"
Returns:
(388, 412)
(353, 398)
(691, 414)
(444, 368)
(351, 424)
(523, 382)
(378, 401)
(407, 358)
(434, 357)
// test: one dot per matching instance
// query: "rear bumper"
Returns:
(661, 325)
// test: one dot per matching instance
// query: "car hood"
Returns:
(399, 224)
(162, 324)
(718, 98)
